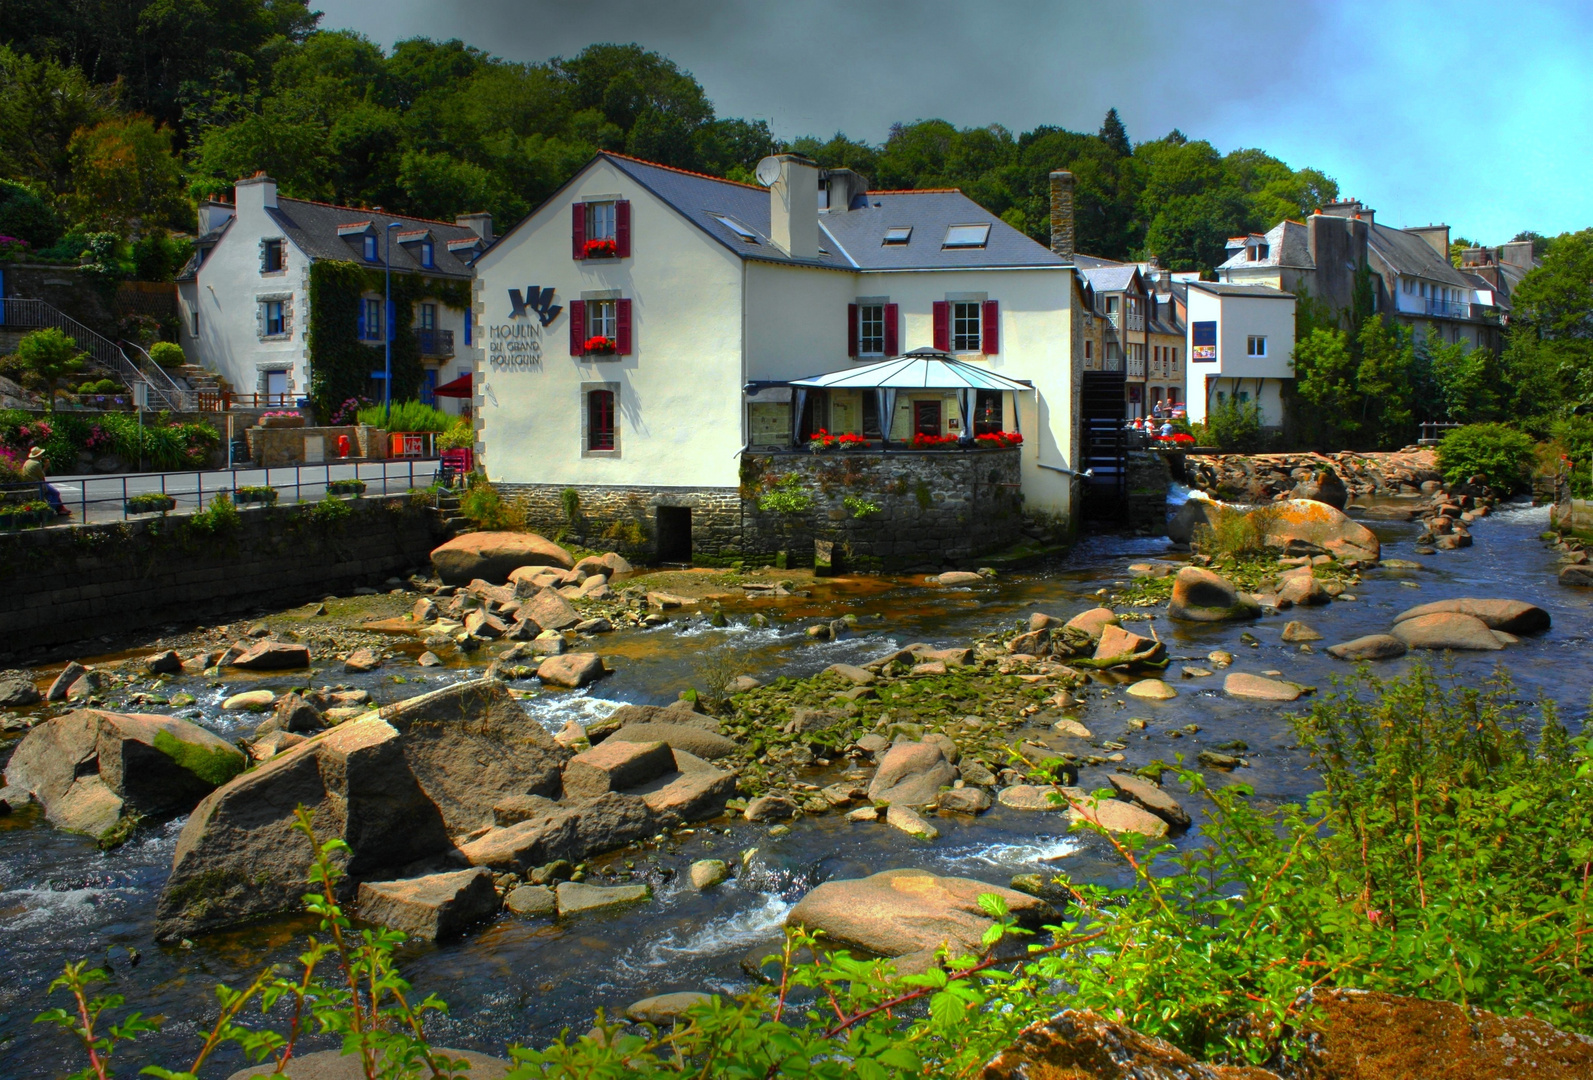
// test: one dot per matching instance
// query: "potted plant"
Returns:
(281, 419)
(933, 442)
(604, 248)
(14, 516)
(152, 502)
(345, 487)
(255, 493)
(603, 346)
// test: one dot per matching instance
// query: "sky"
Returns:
(1475, 115)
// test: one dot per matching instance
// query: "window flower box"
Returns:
(603, 248)
(26, 515)
(933, 442)
(150, 503)
(997, 440)
(822, 441)
(345, 487)
(281, 420)
(258, 493)
(601, 346)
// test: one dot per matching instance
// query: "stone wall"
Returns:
(273, 446)
(71, 583)
(934, 508)
(1148, 480)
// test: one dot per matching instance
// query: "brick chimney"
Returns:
(1062, 214)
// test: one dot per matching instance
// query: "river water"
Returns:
(520, 980)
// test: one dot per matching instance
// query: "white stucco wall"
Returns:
(679, 415)
(1237, 318)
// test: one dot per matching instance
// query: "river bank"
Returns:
(524, 979)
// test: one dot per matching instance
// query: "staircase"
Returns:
(448, 507)
(17, 313)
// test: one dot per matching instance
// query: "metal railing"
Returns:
(1433, 431)
(1451, 309)
(436, 343)
(164, 393)
(17, 311)
(1136, 367)
(101, 499)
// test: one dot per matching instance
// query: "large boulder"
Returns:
(396, 786)
(1199, 595)
(571, 670)
(273, 656)
(17, 689)
(1323, 487)
(569, 832)
(1249, 687)
(1192, 515)
(492, 555)
(1075, 1044)
(694, 791)
(550, 611)
(89, 768)
(615, 765)
(899, 912)
(1447, 630)
(1511, 616)
(1092, 622)
(1370, 647)
(911, 773)
(1308, 527)
(1300, 586)
(432, 907)
(1152, 797)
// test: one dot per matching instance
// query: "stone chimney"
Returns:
(1062, 214)
(1517, 253)
(257, 192)
(794, 207)
(1436, 237)
(480, 224)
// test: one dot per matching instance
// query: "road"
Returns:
(100, 497)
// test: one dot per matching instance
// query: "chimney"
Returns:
(1062, 214)
(480, 224)
(213, 215)
(794, 207)
(1517, 253)
(257, 192)
(845, 187)
(1436, 236)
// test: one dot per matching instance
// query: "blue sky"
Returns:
(1471, 114)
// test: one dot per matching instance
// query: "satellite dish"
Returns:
(768, 171)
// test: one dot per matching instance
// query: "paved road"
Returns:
(101, 496)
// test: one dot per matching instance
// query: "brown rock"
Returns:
(1118, 817)
(1199, 595)
(1301, 587)
(550, 611)
(63, 682)
(1370, 647)
(700, 740)
(695, 792)
(163, 663)
(769, 808)
(273, 656)
(1093, 621)
(1295, 633)
(433, 907)
(361, 660)
(911, 773)
(1083, 1045)
(1511, 616)
(615, 765)
(958, 577)
(492, 555)
(1151, 797)
(1121, 646)
(965, 800)
(563, 832)
(571, 670)
(1258, 688)
(1307, 527)
(479, 624)
(1447, 630)
(852, 673)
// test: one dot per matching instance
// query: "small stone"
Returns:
(1152, 690)
(864, 813)
(1116, 816)
(574, 896)
(532, 900)
(1220, 658)
(163, 663)
(769, 808)
(1258, 688)
(252, 700)
(706, 873)
(361, 660)
(1195, 672)
(965, 800)
(1295, 632)
(910, 821)
(429, 659)
(1066, 726)
(1032, 797)
(663, 1009)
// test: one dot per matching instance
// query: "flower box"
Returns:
(933, 442)
(281, 420)
(605, 248)
(345, 487)
(602, 346)
(28, 515)
(152, 503)
(998, 440)
(265, 496)
(822, 440)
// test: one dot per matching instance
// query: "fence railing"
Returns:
(106, 498)
(17, 311)
(1434, 431)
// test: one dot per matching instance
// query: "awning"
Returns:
(461, 387)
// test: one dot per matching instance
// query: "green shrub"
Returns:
(149, 503)
(460, 435)
(220, 518)
(406, 416)
(1236, 533)
(168, 354)
(859, 507)
(786, 496)
(330, 511)
(1501, 455)
(487, 510)
(1234, 427)
(345, 487)
(256, 493)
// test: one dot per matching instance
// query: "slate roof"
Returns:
(202, 246)
(1288, 244)
(313, 226)
(1109, 276)
(1406, 253)
(1220, 288)
(853, 240)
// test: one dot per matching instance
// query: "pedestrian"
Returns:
(1156, 409)
(33, 472)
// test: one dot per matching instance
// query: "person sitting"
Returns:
(33, 472)
(1167, 429)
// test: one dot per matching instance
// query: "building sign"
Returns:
(516, 345)
(1202, 342)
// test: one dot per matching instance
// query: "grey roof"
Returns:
(1288, 244)
(202, 246)
(1407, 253)
(1220, 288)
(1109, 277)
(853, 240)
(1085, 262)
(313, 227)
(921, 369)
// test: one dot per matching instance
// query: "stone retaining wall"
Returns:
(273, 446)
(73, 582)
(933, 508)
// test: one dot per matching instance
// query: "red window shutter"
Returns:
(577, 327)
(622, 228)
(990, 331)
(942, 326)
(893, 318)
(851, 330)
(578, 230)
(622, 327)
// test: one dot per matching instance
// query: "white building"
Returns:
(672, 311)
(245, 298)
(1240, 347)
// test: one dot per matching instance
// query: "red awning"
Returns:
(460, 388)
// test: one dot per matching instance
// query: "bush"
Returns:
(345, 487)
(168, 354)
(1234, 427)
(1502, 456)
(486, 510)
(256, 493)
(1235, 533)
(461, 435)
(406, 416)
(786, 496)
(150, 503)
(27, 216)
(220, 518)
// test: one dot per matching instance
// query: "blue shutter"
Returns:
(362, 321)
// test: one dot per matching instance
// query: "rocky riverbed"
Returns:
(998, 697)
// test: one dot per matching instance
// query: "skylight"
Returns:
(736, 227)
(966, 236)
(899, 235)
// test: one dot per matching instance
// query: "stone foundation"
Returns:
(919, 509)
(273, 446)
(1148, 479)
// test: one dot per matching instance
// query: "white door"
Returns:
(276, 387)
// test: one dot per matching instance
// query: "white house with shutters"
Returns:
(1240, 347)
(643, 327)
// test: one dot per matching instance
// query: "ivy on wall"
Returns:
(340, 363)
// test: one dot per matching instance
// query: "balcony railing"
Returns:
(1135, 320)
(436, 343)
(1136, 367)
(1449, 309)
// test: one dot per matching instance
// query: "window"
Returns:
(824, 194)
(1089, 350)
(196, 322)
(428, 253)
(1255, 345)
(898, 236)
(370, 247)
(871, 330)
(371, 320)
(987, 415)
(428, 316)
(600, 420)
(1258, 252)
(966, 236)
(271, 257)
(965, 326)
(600, 320)
(1111, 305)
(272, 317)
(600, 221)
(746, 234)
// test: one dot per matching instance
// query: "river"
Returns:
(523, 981)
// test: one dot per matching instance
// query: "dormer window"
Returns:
(899, 236)
(824, 195)
(966, 236)
(1258, 252)
(370, 247)
(428, 254)
(746, 234)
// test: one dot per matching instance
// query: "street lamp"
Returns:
(387, 336)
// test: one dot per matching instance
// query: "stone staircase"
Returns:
(198, 378)
(448, 509)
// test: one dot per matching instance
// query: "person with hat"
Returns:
(33, 472)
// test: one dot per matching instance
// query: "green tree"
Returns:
(42, 104)
(50, 356)
(1325, 381)
(1383, 379)
(125, 178)
(26, 216)
(1462, 381)
(1548, 357)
